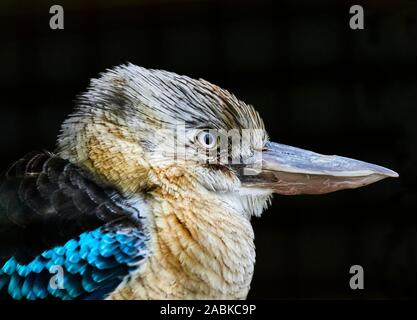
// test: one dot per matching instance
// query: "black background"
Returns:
(318, 85)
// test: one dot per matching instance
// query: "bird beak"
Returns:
(288, 170)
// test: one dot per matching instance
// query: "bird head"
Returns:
(138, 129)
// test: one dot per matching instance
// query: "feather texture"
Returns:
(54, 214)
(45, 201)
(92, 265)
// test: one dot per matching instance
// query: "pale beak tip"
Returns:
(393, 174)
(379, 170)
(388, 173)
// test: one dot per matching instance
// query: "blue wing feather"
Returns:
(93, 265)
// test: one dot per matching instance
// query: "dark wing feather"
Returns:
(45, 201)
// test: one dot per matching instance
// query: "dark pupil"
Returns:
(208, 139)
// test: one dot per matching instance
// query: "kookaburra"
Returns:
(129, 206)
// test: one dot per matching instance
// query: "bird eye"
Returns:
(206, 139)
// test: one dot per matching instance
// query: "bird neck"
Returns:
(201, 248)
